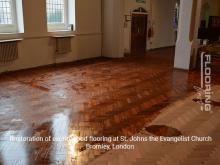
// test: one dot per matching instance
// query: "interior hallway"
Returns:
(106, 97)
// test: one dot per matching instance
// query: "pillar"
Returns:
(113, 28)
(187, 42)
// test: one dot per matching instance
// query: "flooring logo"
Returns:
(205, 90)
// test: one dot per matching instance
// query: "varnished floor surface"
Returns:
(98, 97)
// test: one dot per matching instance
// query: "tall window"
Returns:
(8, 20)
(57, 15)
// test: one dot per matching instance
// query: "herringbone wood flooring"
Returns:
(100, 97)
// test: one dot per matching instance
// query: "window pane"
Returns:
(5, 12)
(55, 11)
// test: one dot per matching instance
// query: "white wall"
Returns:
(37, 48)
(162, 20)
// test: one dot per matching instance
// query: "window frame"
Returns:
(53, 27)
(13, 27)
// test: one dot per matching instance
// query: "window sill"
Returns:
(63, 36)
(57, 31)
(11, 36)
(61, 32)
(11, 40)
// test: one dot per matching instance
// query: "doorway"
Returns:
(139, 34)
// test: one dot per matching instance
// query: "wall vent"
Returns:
(8, 50)
(63, 44)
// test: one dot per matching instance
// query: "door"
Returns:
(138, 34)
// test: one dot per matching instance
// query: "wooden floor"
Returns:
(183, 118)
(99, 97)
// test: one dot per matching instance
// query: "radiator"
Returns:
(63, 45)
(8, 51)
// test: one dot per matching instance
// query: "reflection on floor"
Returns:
(99, 97)
(199, 143)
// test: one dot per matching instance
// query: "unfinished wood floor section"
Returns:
(99, 97)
